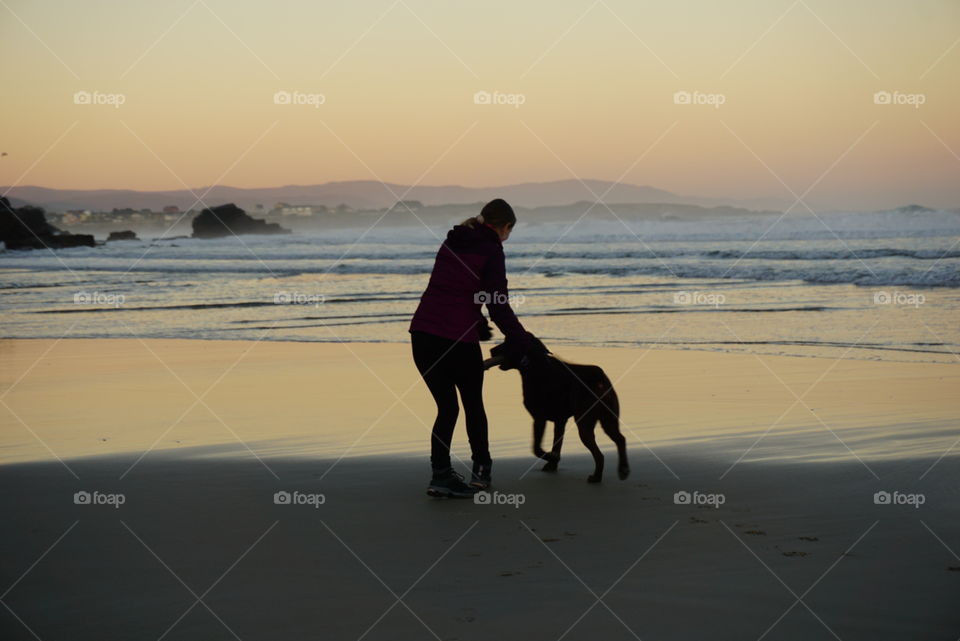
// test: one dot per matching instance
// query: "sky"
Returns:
(777, 98)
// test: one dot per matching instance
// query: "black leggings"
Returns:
(447, 366)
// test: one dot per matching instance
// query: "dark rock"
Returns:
(64, 240)
(227, 220)
(122, 235)
(27, 228)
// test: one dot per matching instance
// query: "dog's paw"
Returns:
(594, 478)
(551, 466)
(623, 471)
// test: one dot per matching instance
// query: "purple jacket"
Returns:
(468, 272)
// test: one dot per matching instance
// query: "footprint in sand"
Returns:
(467, 617)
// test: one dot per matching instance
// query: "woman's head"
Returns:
(498, 215)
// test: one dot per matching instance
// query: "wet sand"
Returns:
(772, 517)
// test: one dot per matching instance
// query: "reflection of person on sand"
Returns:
(446, 331)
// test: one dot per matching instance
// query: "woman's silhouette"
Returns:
(446, 331)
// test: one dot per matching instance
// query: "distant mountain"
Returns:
(366, 194)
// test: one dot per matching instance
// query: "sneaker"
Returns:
(480, 478)
(449, 483)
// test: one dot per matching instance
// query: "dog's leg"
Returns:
(611, 426)
(559, 428)
(539, 427)
(553, 456)
(585, 428)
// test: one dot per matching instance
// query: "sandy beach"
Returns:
(749, 513)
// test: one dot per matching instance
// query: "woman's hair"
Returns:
(496, 213)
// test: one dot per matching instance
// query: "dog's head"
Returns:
(505, 357)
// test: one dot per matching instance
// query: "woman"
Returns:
(446, 331)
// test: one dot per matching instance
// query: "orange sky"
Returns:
(596, 79)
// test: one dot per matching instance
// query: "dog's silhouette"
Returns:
(555, 390)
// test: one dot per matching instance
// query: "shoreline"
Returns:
(949, 357)
(77, 397)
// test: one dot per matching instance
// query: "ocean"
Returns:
(879, 286)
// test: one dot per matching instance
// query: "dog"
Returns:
(555, 390)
